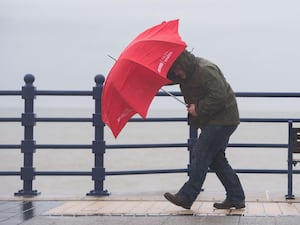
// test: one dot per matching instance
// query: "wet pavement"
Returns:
(163, 220)
(17, 212)
(109, 211)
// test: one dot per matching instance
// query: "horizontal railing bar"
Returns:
(10, 119)
(172, 145)
(159, 119)
(10, 173)
(49, 119)
(268, 94)
(140, 172)
(49, 146)
(181, 119)
(253, 145)
(137, 172)
(176, 93)
(77, 119)
(63, 146)
(153, 119)
(134, 146)
(63, 93)
(50, 93)
(263, 171)
(270, 120)
(150, 119)
(10, 92)
(248, 94)
(62, 173)
(63, 119)
(10, 146)
(168, 145)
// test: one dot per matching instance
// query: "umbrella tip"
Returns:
(113, 58)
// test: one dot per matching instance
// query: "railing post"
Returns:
(98, 146)
(193, 135)
(28, 144)
(290, 162)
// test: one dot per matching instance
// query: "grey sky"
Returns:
(65, 43)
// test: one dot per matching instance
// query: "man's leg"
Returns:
(228, 177)
(210, 142)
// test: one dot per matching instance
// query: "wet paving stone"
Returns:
(16, 212)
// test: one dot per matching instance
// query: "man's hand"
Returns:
(191, 108)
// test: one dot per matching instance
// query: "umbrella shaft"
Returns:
(173, 96)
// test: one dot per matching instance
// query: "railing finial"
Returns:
(29, 79)
(99, 79)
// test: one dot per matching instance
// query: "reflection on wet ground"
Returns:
(16, 212)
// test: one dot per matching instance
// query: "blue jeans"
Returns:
(209, 152)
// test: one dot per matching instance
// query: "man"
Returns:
(212, 107)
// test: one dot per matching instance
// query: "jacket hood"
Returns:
(185, 61)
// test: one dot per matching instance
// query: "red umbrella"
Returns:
(138, 74)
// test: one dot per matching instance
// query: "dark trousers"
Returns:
(209, 152)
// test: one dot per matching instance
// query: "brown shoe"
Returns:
(178, 200)
(227, 204)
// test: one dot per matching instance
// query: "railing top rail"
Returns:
(249, 94)
(268, 94)
(49, 92)
(176, 93)
(149, 119)
(64, 93)
(243, 119)
(9, 92)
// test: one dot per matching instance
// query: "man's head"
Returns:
(177, 73)
(183, 67)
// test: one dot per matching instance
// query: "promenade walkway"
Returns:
(142, 210)
(137, 200)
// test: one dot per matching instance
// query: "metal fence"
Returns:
(98, 146)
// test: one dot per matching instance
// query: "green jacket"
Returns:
(215, 101)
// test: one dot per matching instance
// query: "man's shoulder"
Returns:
(203, 62)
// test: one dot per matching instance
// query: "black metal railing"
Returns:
(98, 146)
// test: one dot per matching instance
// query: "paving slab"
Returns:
(162, 220)
(107, 211)
(164, 208)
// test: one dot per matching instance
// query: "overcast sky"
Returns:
(64, 43)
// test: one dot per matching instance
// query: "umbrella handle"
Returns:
(173, 96)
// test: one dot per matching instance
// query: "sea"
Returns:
(257, 186)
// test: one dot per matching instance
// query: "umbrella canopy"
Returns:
(138, 74)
